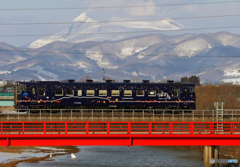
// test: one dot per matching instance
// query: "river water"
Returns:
(125, 156)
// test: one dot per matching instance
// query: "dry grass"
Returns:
(208, 94)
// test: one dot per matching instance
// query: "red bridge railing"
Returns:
(166, 128)
(119, 133)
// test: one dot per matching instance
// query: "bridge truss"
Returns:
(119, 133)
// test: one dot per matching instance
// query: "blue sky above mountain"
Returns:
(106, 14)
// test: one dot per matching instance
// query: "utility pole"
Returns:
(104, 76)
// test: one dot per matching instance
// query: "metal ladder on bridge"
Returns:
(219, 116)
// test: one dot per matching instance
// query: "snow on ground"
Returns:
(126, 52)
(232, 72)
(167, 24)
(201, 73)
(191, 48)
(140, 49)
(9, 157)
(46, 73)
(4, 157)
(232, 80)
(29, 153)
(134, 73)
(141, 55)
(50, 148)
(41, 78)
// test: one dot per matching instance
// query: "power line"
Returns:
(141, 65)
(127, 32)
(116, 21)
(82, 53)
(111, 7)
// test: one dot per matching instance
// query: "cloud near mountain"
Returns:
(83, 25)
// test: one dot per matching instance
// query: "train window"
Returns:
(115, 92)
(19, 89)
(59, 92)
(102, 92)
(90, 92)
(33, 91)
(185, 92)
(79, 92)
(41, 91)
(152, 93)
(174, 92)
(160, 92)
(140, 93)
(24, 88)
(191, 89)
(127, 93)
(69, 92)
(28, 89)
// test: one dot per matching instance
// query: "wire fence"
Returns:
(116, 114)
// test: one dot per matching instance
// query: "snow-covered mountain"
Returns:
(97, 31)
(212, 57)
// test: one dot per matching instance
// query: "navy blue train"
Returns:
(89, 94)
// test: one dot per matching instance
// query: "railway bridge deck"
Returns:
(130, 115)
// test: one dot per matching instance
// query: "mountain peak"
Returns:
(83, 17)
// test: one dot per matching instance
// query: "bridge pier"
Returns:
(208, 153)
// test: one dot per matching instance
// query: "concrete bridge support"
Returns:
(210, 152)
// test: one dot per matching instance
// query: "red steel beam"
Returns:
(118, 140)
(198, 134)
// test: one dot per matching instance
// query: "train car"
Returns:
(89, 94)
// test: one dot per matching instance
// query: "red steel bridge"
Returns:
(119, 133)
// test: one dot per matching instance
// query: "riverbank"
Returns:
(225, 152)
(12, 156)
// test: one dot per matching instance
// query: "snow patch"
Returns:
(191, 48)
(232, 72)
(50, 148)
(141, 55)
(96, 56)
(140, 49)
(134, 73)
(127, 52)
(40, 77)
(140, 73)
(225, 39)
(201, 73)
(83, 17)
(46, 73)
(232, 80)
(165, 24)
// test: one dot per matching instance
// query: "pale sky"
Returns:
(32, 16)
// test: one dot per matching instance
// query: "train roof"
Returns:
(108, 82)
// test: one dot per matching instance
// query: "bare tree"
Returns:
(208, 94)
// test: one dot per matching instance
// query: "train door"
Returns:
(185, 94)
(37, 92)
(47, 91)
(33, 92)
(175, 94)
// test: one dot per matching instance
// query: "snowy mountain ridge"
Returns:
(150, 56)
(84, 24)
